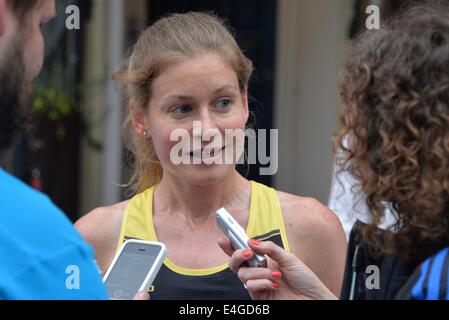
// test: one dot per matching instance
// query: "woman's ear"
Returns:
(139, 119)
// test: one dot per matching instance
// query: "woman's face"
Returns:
(199, 96)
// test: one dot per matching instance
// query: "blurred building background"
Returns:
(75, 153)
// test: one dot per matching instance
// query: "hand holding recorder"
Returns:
(274, 274)
(236, 234)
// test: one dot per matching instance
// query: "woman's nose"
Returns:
(205, 127)
(207, 120)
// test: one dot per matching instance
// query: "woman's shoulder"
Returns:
(307, 213)
(101, 219)
(316, 236)
(309, 223)
(101, 229)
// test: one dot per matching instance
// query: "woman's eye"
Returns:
(224, 104)
(181, 109)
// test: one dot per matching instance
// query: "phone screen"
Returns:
(130, 270)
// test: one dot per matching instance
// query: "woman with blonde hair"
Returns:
(187, 69)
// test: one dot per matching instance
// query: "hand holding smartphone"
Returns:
(236, 234)
(134, 268)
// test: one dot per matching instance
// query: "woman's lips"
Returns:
(207, 153)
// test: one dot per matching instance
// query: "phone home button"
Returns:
(118, 293)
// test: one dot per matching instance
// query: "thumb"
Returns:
(142, 295)
(226, 246)
(278, 254)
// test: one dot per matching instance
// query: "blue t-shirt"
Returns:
(41, 255)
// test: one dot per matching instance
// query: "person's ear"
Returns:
(139, 120)
(2, 17)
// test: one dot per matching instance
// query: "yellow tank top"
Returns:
(265, 222)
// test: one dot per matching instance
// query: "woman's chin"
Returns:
(204, 175)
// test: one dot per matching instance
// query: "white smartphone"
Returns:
(237, 235)
(134, 268)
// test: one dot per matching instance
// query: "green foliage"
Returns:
(55, 106)
(54, 102)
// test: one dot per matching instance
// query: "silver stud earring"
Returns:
(145, 132)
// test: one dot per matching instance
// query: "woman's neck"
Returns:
(199, 203)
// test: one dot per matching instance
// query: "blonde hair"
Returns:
(175, 37)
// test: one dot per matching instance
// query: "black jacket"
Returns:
(393, 272)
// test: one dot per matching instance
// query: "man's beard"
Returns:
(15, 95)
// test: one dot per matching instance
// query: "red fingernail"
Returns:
(276, 285)
(255, 242)
(247, 253)
(276, 275)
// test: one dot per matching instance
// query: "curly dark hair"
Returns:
(394, 136)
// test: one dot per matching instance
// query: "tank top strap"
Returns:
(266, 219)
(137, 220)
